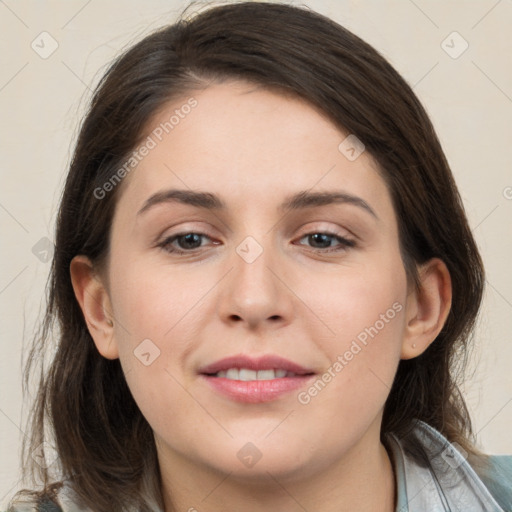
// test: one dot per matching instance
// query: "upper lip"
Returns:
(266, 362)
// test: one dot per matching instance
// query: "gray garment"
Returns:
(434, 475)
(431, 474)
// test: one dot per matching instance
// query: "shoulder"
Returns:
(430, 470)
(497, 477)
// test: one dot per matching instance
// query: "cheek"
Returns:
(154, 307)
(162, 312)
(152, 301)
(364, 309)
(359, 301)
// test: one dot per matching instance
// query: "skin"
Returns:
(254, 148)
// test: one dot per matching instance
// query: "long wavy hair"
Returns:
(83, 407)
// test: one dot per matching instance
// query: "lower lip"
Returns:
(256, 391)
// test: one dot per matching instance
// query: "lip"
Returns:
(266, 362)
(256, 391)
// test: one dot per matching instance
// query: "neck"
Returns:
(363, 481)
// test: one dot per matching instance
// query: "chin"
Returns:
(256, 462)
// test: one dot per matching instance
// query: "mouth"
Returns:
(247, 375)
(254, 380)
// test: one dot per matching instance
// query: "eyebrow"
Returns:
(301, 200)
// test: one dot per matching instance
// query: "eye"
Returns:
(183, 243)
(321, 241)
(188, 242)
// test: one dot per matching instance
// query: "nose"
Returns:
(255, 292)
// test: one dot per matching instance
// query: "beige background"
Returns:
(41, 100)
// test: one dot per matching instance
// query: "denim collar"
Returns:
(437, 478)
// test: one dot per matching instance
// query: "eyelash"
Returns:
(345, 243)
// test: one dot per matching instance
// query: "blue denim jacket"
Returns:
(431, 474)
(435, 476)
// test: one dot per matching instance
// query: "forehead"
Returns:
(250, 146)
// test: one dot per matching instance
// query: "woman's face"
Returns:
(272, 276)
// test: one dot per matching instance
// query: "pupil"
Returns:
(190, 239)
(317, 237)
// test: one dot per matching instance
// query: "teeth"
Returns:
(245, 374)
(267, 374)
(232, 374)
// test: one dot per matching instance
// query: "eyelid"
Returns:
(344, 243)
(183, 228)
(186, 229)
(327, 227)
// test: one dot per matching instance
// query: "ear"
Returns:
(427, 308)
(94, 301)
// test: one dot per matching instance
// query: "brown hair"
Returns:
(83, 398)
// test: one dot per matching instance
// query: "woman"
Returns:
(257, 307)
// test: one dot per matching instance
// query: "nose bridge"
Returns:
(253, 293)
(253, 278)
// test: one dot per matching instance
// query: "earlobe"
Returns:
(427, 308)
(94, 301)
